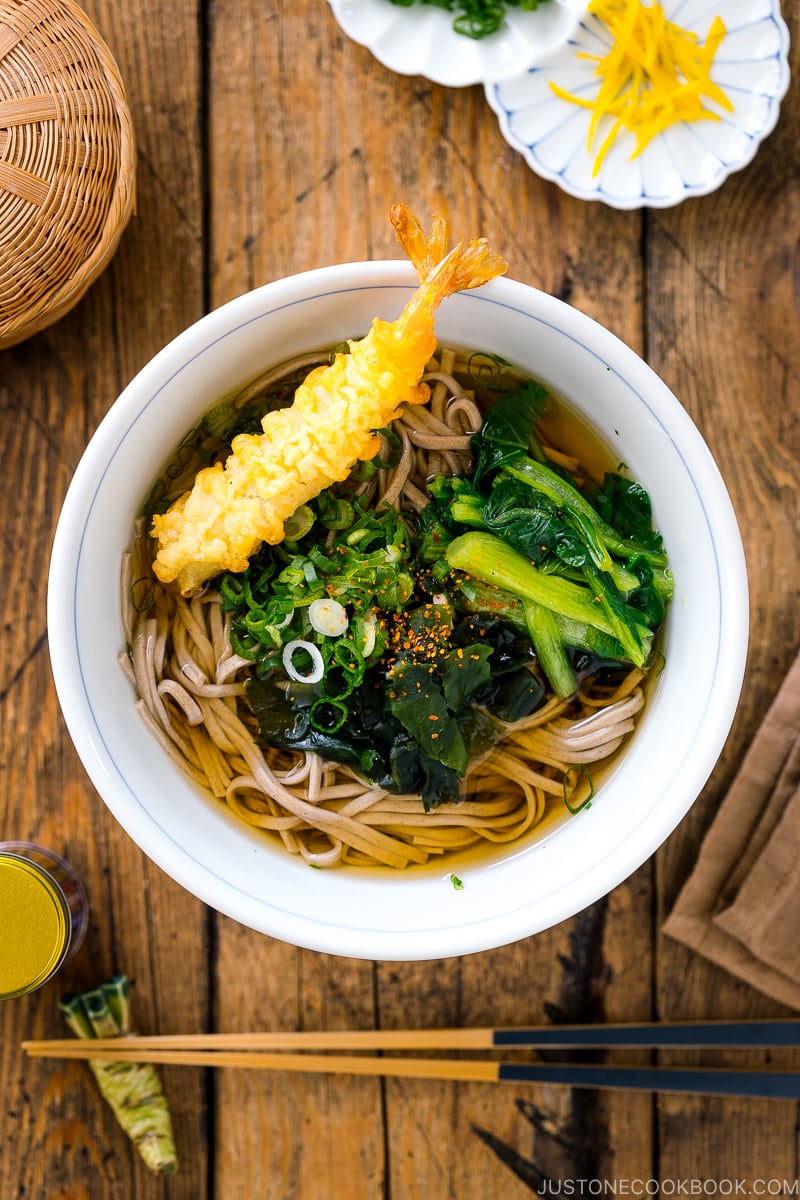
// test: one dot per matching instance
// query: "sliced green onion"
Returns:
(327, 715)
(348, 656)
(328, 617)
(336, 514)
(231, 591)
(287, 620)
(370, 629)
(317, 664)
(363, 471)
(142, 592)
(298, 524)
(219, 420)
(587, 803)
(487, 369)
(338, 686)
(391, 449)
(320, 561)
(262, 626)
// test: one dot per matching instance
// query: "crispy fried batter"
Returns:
(232, 510)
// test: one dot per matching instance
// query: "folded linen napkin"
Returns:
(740, 907)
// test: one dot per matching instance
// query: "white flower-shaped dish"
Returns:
(688, 159)
(420, 39)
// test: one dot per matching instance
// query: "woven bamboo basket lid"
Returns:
(67, 161)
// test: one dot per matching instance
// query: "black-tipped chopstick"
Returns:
(694, 1080)
(681, 1034)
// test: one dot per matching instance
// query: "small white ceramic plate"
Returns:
(690, 159)
(420, 39)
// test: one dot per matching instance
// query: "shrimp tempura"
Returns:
(232, 510)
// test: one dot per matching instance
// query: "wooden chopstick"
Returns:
(652, 1035)
(695, 1080)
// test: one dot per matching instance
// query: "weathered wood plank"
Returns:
(282, 197)
(311, 1136)
(59, 1136)
(722, 331)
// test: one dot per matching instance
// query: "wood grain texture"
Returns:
(59, 1137)
(723, 333)
(270, 143)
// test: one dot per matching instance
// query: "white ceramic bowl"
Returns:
(420, 39)
(417, 914)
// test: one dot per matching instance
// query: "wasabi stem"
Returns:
(133, 1090)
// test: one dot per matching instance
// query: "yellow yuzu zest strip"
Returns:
(655, 75)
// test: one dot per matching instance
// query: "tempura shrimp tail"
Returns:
(442, 273)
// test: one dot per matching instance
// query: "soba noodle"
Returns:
(190, 687)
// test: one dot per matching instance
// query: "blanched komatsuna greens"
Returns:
(567, 558)
(133, 1090)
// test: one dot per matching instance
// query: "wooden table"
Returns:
(269, 143)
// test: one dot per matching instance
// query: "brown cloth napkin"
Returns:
(740, 907)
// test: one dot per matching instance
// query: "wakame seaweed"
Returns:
(413, 727)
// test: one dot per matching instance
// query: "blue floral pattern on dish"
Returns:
(688, 159)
